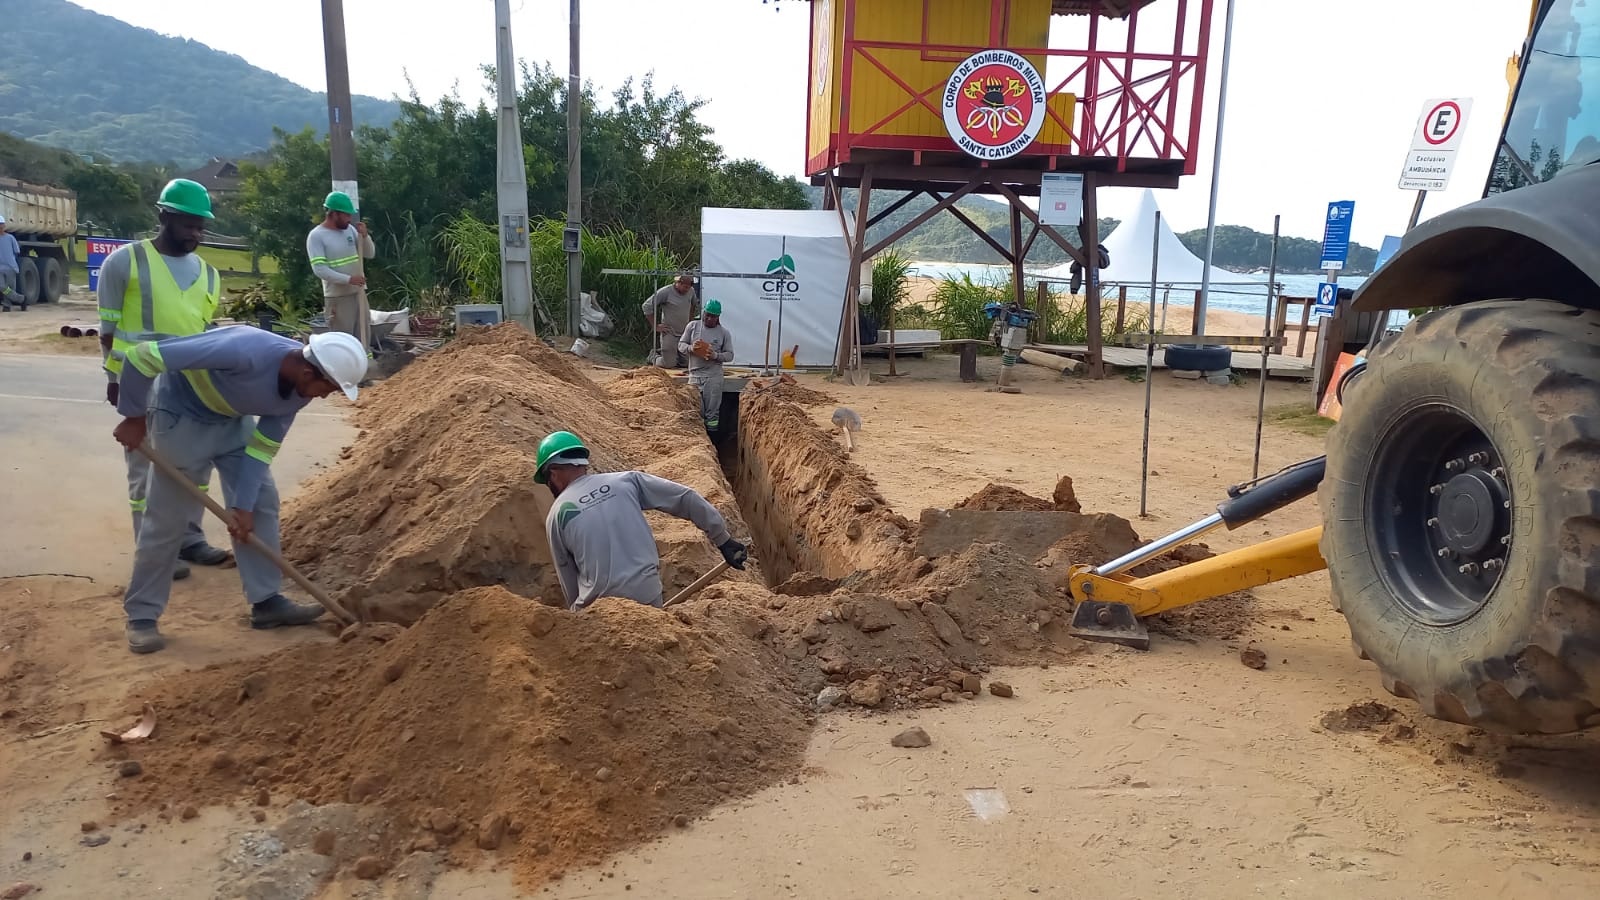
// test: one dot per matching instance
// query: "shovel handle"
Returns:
(172, 472)
(699, 583)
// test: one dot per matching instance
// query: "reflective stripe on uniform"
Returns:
(206, 390)
(146, 357)
(262, 447)
(147, 294)
(138, 505)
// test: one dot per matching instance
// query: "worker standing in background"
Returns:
(336, 248)
(10, 253)
(668, 311)
(204, 413)
(149, 291)
(599, 539)
(708, 345)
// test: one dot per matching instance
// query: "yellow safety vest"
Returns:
(154, 308)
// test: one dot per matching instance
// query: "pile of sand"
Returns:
(493, 722)
(999, 497)
(437, 493)
(792, 392)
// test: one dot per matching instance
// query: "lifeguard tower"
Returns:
(953, 97)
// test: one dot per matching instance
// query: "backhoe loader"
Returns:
(1460, 493)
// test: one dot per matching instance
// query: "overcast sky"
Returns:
(1322, 98)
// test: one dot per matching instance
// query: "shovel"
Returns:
(699, 583)
(171, 471)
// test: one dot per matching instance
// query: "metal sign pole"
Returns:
(1149, 367)
(1266, 344)
(783, 250)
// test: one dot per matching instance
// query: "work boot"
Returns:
(204, 554)
(278, 611)
(180, 572)
(144, 636)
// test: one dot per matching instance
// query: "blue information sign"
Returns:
(100, 248)
(1327, 300)
(1336, 234)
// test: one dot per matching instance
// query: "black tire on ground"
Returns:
(1198, 358)
(52, 279)
(28, 279)
(1461, 514)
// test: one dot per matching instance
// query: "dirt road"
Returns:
(1172, 773)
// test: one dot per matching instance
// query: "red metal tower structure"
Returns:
(954, 97)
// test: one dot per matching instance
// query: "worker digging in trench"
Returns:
(224, 399)
(599, 539)
(708, 345)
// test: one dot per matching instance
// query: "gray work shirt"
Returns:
(9, 251)
(720, 339)
(601, 543)
(676, 308)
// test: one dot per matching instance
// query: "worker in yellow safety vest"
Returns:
(149, 291)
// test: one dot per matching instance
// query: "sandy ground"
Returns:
(1172, 773)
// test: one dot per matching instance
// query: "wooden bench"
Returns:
(968, 349)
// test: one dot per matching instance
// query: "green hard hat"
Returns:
(339, 201)
(554, 445)
(184, 196)
(713, 308)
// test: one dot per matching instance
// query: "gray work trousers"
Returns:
(140, 473)
(709, 382)
(669, 357)
(351, 315)
(194, 447)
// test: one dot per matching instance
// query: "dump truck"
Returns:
(1460, 492)
(40, 217)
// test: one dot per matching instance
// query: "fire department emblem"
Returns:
(994, 104)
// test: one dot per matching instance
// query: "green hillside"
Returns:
(93, 84)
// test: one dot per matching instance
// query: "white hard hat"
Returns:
(340, 357)
(2, 220)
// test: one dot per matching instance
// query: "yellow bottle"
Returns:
(789, 355)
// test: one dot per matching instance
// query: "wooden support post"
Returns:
(847, 361)
(1041, 309)
(1017, 290)
(1122, 308)
(1091, 252)
(969, 362)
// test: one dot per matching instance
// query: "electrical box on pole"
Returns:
(516, 271)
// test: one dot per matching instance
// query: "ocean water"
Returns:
(1245, 298)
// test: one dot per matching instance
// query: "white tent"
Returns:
(1129, 245)
(804, 259)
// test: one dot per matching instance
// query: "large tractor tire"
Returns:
(1462, 515)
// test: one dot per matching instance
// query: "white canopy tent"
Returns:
(1129, 246)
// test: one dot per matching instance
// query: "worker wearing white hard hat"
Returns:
(227, 401)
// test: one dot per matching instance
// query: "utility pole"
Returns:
(1216, 180)
(511, 178)
(571, 238)
(341, 123)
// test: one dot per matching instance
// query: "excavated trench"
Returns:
(809, 510)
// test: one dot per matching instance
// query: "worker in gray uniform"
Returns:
(336, 248)
(599, 538)
(708, 345)
(226, 400)
(668, 311)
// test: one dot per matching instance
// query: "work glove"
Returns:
(734, 553)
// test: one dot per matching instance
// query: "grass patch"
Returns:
(1300, 417)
